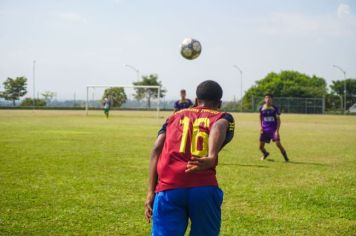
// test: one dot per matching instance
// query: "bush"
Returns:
(28, 102)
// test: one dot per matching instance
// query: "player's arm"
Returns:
(278, 119)
(217, 137)
(216, 141)
(261, 118)
(152, 172)
(152, 175)
(278, 124)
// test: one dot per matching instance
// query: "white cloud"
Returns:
(73, 17)
(343, 10)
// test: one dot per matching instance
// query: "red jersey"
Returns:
(187, 133)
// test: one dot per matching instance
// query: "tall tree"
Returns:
(149, 93)
(287, 84)
(338, 88)
(48, 96)
(117, 96)
(14, 89)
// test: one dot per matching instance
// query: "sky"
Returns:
(76, 43)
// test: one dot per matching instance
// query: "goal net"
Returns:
(124, 97)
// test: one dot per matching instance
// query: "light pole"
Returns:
(34, 88)
(344, 72)
(134, 69)
(238, 68)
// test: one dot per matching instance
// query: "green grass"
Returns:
(62, 173)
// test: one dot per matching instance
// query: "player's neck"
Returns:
(207, 106)
(268, 105)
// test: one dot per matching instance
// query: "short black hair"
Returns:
(209, 90)
(269, 95)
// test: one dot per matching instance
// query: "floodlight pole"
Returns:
(34, 88)
(238, 68)
(87, 103)
(134, 69)
(344, 72)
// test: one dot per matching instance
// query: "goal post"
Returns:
(88, 87)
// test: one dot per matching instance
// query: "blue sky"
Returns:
(81, 42)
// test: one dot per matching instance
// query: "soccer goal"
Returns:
(128, 97)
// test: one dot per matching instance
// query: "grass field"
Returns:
(62, 173)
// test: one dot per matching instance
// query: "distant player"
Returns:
(106, 105)
(182, 181)
(270, 123)
(183, 102)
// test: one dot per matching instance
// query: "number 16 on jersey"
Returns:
(199, 142)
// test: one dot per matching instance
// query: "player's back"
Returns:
(187, 133)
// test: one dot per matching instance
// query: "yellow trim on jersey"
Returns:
(265, 107)
(199, 110)
(231, 126)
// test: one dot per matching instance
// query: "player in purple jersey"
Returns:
(183, 102)
(270, 124)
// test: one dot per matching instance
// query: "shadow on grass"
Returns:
(243, 165)
(299, 162)
(307, 163)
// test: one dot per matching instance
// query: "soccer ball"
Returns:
(190, 48)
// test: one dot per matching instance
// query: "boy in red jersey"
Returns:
(182, 181)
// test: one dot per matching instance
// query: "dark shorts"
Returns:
(106, 110)
(267, 136)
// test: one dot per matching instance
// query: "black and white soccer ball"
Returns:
(190, 48)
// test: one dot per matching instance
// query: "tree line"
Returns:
(16, 88)
(284, 84)
(298, 85)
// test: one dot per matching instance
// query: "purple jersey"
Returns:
(269, 118)
(179, 105)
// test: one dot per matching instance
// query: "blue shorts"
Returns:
(173, 208)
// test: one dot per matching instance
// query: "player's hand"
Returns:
(261, 130)
(200, 163)
(276, 134)
(148, 206)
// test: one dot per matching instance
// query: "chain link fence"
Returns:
(294, 104)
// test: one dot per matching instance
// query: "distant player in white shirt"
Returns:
(107, 105)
